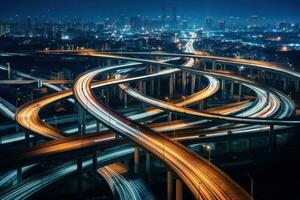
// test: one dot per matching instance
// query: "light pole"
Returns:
(170, 113)
(252, 186)
(208, 148)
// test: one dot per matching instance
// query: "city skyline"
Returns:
(93, 10)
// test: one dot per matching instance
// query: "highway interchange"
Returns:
(269, 111)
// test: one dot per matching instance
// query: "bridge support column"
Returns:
(241, 91)
(125, 100)
(8, 71)
(141, 87)
(99, 126)
(95, 166)
(27, 139)
(158, 82)
(223, 89)
(297, 85)
(183, 77)
(81, 120)
(204, 65)
(272, 138)
(230, 141)
(109, 62)
(148, 166)
(79, 175)
(193, 83)
(169, 185)
(202, 105)
(232, 89)
(145, 87)
(213, 67)
(171, 85)
(178, 189)
(249, 145)
(151, 81)
(108, 95)
(19, 175)
(136, 159)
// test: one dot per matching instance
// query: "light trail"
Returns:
(125, 186)
(215, 184)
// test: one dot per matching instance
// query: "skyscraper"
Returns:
(209, 23)
(222, 25)
(135, 23)
(253, 21)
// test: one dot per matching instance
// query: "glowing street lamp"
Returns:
(208, 148)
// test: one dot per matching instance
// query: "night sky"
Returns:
(89, 9)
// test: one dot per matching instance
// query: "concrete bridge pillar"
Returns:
(232, 89)
(193, 83)
(249, 145)
(183, 77)
(169, 185)
(95, 167)
(171, 85)
(241, 91)
(79, 175)
(213, 67)
(223, 89)
(141, 87)
(297, 85)
(120, 95)
(272, 138)
(136, 159)
(27, 139)
(157, 82)
(148, 165)
(107, 96)
(81, 120)
(109, 62)
(8, 71)
(125, 98)
(145, 87)
(99, 126)
(204, 65)
(202, 105)
(150, 71)
(19, 175)
(178, 189)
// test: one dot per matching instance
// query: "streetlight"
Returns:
(208, 148)
(241, 68)
(170, 113)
